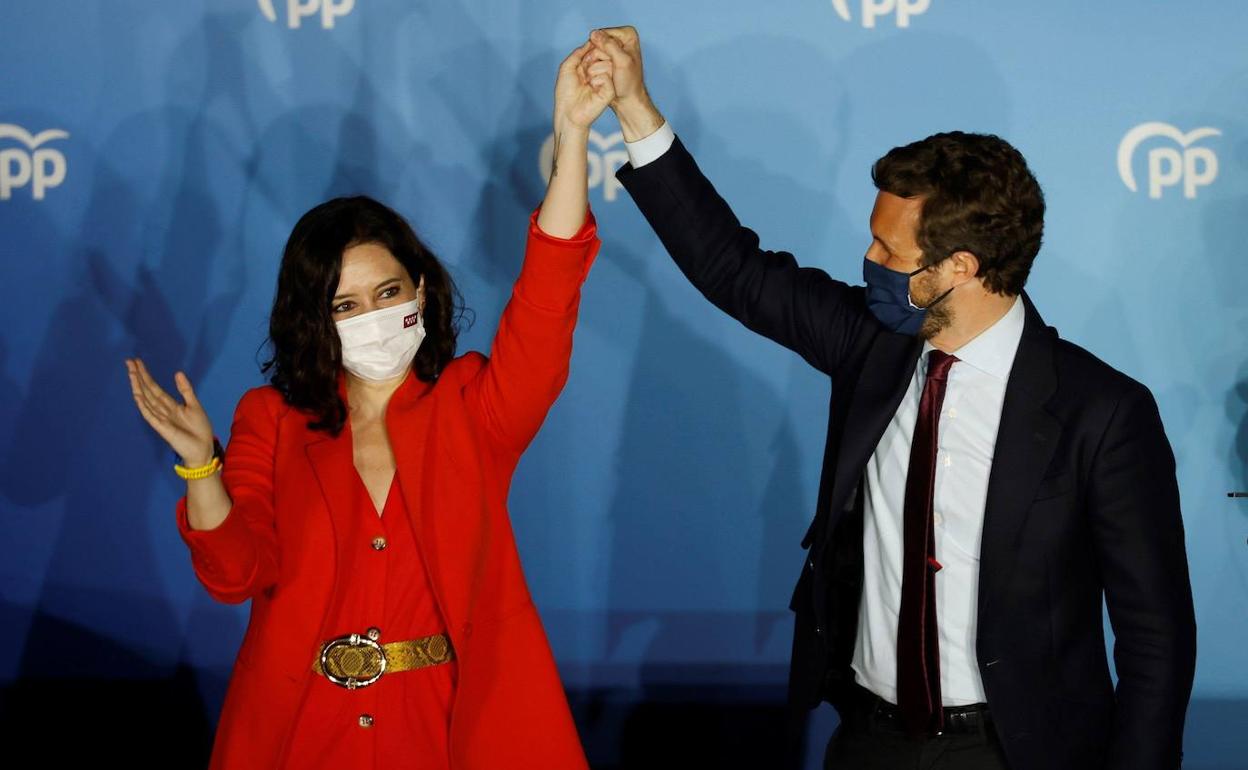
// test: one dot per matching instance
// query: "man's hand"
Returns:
(620, 45)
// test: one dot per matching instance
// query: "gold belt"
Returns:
(357, 660)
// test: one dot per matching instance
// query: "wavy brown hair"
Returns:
(979, 196)
(306, 356)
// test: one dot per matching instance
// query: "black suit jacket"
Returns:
(1082, 504)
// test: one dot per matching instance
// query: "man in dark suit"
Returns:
(985, 483)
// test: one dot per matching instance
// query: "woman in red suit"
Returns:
(361, 503)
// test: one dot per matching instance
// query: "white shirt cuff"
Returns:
(652, 147)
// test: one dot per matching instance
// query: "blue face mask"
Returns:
(888, 297)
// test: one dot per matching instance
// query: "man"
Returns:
(985, 482)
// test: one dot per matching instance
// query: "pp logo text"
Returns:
(1170, 164)
(901, 10)
(298, 10)
(31, 163)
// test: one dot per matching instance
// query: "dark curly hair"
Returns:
(979, 196)
(306, 357)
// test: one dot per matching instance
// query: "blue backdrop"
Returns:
(154, 157)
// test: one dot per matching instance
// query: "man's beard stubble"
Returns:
(939, 316)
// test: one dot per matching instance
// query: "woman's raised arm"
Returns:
(528, 362)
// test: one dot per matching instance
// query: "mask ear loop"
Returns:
(928, 267)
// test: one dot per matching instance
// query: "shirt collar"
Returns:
(992, 352)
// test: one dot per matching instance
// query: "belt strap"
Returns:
(957, 719)
(356, 661)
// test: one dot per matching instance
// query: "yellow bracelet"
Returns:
(202, 472)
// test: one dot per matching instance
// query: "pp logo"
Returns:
(874, 9)
(1167, 165)
(298, 10)
(40, 167)
(603, 161)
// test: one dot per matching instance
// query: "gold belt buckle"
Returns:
(359, 655)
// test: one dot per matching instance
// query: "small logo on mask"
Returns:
(411, 320)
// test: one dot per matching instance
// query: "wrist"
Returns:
(201, 457)
(638, 116)
(196, 460)
(568, 129)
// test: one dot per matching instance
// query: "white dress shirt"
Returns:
(966, 441)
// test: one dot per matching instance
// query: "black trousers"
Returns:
(866, 740)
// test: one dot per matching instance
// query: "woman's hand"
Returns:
(185, 427)
(583, 89)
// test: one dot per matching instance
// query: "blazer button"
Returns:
(366, 720)
(374, 633)
(810, 564)
(818, 630)
(379, 543)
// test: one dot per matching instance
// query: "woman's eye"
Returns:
(343, 307)
(389, 292)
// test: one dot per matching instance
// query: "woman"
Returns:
(361, 505)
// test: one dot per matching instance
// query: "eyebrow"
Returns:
(387, 282)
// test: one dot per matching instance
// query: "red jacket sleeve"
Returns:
(238, 558)
(528, 362)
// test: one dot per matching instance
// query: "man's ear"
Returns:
(965, 264)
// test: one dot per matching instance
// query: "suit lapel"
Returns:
(1026, 440)
(407, 423)
(885, 377)
(334, 466)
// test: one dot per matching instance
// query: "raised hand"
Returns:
(622, 47)
(583, 89)
(185, 427)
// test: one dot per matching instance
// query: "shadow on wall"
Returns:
(105, 661)
(1223, 231)
(682, 722)
(100, 665)
(1237, 411)
(84, 698)
(1215, 738)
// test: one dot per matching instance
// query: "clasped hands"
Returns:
(606, 70)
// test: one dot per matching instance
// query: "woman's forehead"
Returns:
(369, 263)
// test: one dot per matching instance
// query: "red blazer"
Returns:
(456, 444)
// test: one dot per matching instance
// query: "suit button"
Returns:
(374, 633)
(379, 543)
(366, 720)
(810, 564)
(818, 630)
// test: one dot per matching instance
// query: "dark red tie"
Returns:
(918, 643)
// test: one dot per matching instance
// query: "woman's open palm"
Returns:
(185, 427)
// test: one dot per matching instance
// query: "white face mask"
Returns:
(381, 345)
